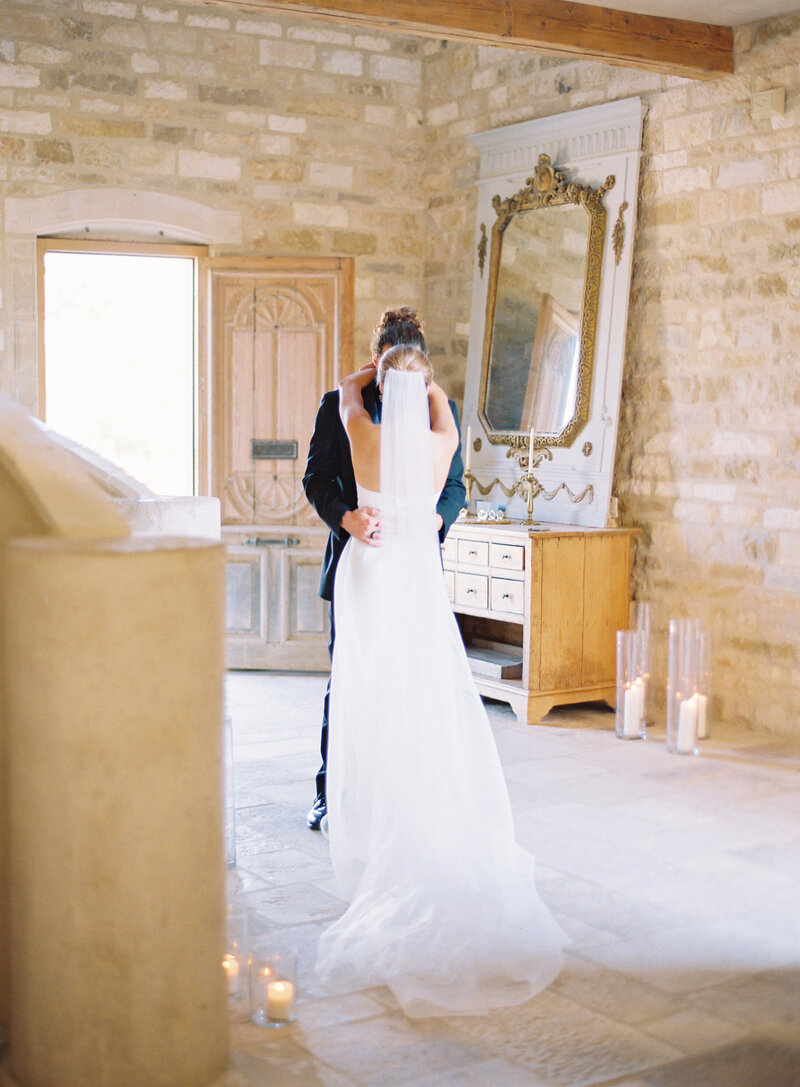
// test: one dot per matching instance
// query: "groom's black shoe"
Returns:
(319, 809)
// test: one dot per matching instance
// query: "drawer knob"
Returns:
(506, 596)
(473, 552)
(470, 591)
(506, 556)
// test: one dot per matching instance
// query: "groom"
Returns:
(330, 487)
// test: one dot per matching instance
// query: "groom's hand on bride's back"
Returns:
(363, 524)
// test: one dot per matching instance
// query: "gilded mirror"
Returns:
(541, 311)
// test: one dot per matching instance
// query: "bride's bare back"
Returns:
(365, 436)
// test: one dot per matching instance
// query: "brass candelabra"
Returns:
(528, 481)
(527, 486)
(534, 487)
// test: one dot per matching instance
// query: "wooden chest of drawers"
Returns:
(549, 599)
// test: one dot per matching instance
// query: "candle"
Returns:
(531, 447)
(230, 965)
(702, 726)
(280, 1000)
(633, 708)
(687, 725)
(468, 460)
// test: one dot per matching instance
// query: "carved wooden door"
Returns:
(281, 336)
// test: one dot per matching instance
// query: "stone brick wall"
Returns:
(311, 131)
(331, 140)
(709, 448)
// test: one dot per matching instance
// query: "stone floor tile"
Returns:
(286, 866)
(565, 1044)
(770, 855)
(268, 828)
(694, 957)
(706, 889)
(788, 801)
(761, 1001)
(292, 905)
(749, 1063)
(609, 911)
(626, 1081)
(550, 767)
(262, 776)
(621, 997)
(256, 1061)
(658, 808)
(275, 748)
(244, 879)
(691, 1032)
(394, 1051)
(330, 1012)
(493, 1073)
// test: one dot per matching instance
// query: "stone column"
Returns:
(17, 518)
(114, 675)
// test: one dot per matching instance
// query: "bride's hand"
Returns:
(364, 524)
(360, 378)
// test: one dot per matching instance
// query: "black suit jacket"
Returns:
(330, 483)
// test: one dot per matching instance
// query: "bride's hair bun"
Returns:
(397, 326)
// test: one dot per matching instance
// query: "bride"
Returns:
(443, 907)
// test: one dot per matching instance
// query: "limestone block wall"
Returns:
(311, 132)
(709, 450)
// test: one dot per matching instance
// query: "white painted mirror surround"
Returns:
(588, 145)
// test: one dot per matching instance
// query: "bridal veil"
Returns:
(443, 907)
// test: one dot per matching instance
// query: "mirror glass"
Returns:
(541, 310)
(533, 370)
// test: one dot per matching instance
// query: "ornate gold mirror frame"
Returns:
(549, 188)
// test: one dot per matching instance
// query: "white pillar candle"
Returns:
(632, 709)
(230, 965)
(702, 726)
(531, 447)
(687, 725)
(468, 450)
(280, 999)
(641, 683)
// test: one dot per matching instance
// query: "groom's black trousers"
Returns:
(323, 742)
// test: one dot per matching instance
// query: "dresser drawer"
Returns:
(472, 590)
(508, 595)
(504, 556)
(450, 549)
(450, 585)
(473, 552)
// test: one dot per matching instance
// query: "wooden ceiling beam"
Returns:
(557, 27)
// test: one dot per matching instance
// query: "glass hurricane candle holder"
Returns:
(230, 806)
(683, 697)
(273, 984)
(631, 686)
(640, 620)
(703, 685)
(234, 961)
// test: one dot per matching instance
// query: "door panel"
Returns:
(243, 610)
(275, 619)
(275, 336)
(281, 336)
(306, 617)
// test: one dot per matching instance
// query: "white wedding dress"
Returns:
(443, 907)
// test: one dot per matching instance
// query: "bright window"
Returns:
(120, 355)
